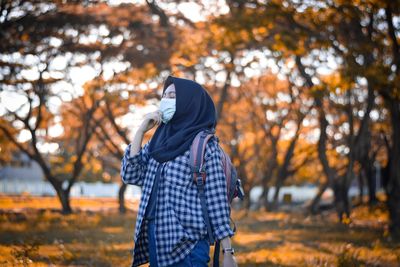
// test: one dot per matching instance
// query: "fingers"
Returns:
(153, 118)
(158, 117)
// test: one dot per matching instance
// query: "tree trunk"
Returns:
(330, 173)
(223, 95)
(344, 185)
(246, 203)
(363, 146)
(314, 207)
(368, 170)
(283, 170)
(275, 200)
(393, 186)
(361, 179)
(63, 196)
(264, 198)
(121, 198)
(393, 102)
(268, 173)
(341, 199)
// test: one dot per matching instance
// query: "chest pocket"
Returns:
(178, 173)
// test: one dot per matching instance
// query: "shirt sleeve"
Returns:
(133, 168)
(216, 192)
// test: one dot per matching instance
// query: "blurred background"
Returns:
(308, 102)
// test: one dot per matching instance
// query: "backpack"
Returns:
(234, 186)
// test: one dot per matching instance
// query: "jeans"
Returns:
(198, 257)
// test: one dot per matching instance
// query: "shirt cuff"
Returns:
(135, 159)
(223, 231)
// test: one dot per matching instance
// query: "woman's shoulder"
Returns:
(212, 147)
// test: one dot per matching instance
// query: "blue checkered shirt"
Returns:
(179, 221)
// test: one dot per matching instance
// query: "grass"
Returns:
(34, 233)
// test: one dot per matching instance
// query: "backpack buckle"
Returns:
(240, 191)
(197, 171)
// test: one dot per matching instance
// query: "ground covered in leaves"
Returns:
(34, 233)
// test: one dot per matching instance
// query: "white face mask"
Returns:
(167, 108)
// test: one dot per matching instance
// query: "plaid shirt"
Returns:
(179, 220)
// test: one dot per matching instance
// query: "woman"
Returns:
(170, 230)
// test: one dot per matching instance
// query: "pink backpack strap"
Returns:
(226, 163)
(197, 150)
(197, 164)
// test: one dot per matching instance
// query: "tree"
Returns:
(37, 38)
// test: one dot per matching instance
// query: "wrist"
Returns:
(229, 257)
(141, 130)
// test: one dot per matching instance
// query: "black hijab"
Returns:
(195, 111)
